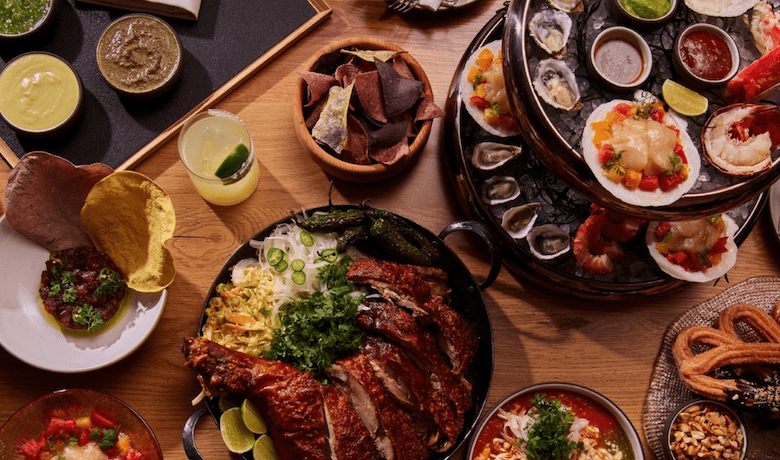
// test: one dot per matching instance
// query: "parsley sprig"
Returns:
(548, 434)
(86, 315)
(106, 438)
(111, 282)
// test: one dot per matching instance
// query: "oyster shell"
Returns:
(518, 221)
(568, 6)
(550, 30)
(556, 84)
(491, 155)
(548, 241)
(500, 189)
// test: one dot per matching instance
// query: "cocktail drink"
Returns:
(217, 151)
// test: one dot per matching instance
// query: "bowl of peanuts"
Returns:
(705, 429)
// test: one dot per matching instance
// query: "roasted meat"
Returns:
(432, 413)
(289, 400)
(348, 437)
(391, 427)
(406, 285)
(399, 327)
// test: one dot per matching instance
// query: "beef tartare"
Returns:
(82, 288)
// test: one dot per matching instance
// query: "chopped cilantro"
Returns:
(87, 316)
(106, 438)
(111, 282)
(548, 434)
(614, 163)
(677, 165)
(317, 330)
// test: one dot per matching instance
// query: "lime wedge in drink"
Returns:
(682, 100)
(252, 419)
(264, 449)
(235, 434)
(233, 162)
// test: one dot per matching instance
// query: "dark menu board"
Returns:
(229, 36)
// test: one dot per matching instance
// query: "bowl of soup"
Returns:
(620, 59)
(40, 94)
(514, 425)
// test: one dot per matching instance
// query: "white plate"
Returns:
(26, 334)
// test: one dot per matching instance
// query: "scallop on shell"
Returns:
(491, 155)
(518, 221)
(568, 6)
(500, 189)
(550, 30)
(556, 84)
(549, 241)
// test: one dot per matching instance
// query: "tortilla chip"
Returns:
(356, 150)
(369, 92)
(331, 128)
(130, 218)
(44, 196)
(400, 66)
(345, 74)
(400, 94)
(390, 155)
(318, 85)
(372, 55)
(428, 110)
(388, 135)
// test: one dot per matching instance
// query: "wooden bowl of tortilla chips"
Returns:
(363, 109)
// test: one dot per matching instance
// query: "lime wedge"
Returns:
(682, 100)
(264, 449)
(252, 418)
(235, 434)
(226, 402)
(233, 162)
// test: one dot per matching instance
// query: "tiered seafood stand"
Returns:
(537, 321)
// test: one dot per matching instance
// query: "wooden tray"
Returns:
(221, 50)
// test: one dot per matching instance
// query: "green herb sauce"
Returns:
(19, 16)
(647, 9)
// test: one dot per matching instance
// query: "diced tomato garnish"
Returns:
(648, 183)
(622, 108)
(479, 102)
(677, 257)
(662, 230)
(668, 182)
(103, 419)
(32, 448)
(60, 426)
(606, 153)
(678, 150)
(506, 121)
(132, 454)
(720, 246)
(657, 115)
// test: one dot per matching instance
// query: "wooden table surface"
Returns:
(609, 346)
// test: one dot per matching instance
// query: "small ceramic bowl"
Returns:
(119, 62)
(682, 427)
(613, 59)
(686, 74)
(32, 419)
(40, 25)
(644, 23)
(58, 101)
(584, 402)
(343, 169)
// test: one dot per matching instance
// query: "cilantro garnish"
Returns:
(614, 163)
(87, 316)
(106, 439)
(317, 330)
(548, 434)
(111, 282)
(677, 165)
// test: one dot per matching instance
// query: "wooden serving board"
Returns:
(230, 41)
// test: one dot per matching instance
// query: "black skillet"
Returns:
(466, 298)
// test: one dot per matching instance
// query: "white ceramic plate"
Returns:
(26, 334)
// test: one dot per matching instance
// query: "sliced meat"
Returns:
(432, 413)
(436, 279)
(348, 437)
(288, 399)
(395, 436)
(405, 285)
(400, 328)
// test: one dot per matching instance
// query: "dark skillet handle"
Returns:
(490, 240)
(188, 435)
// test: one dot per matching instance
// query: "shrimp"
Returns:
(598, 239)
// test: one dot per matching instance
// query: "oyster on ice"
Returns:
(549, 241)
(550, 30)
(556, 84)
(518, 221)
(500, 189)
(568, 6)
(491, 155)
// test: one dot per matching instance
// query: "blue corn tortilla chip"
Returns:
(331, 128)
(356, 150)
(318, 85)
(388, 135)
(400, 93)
(369, 92)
